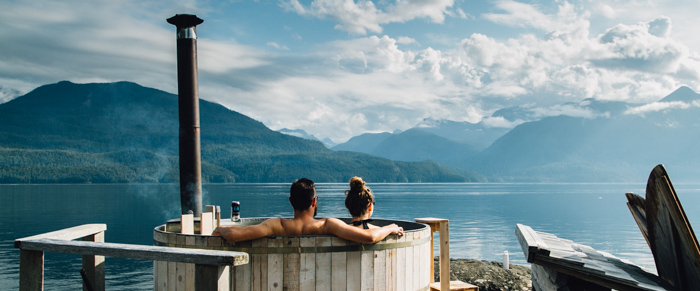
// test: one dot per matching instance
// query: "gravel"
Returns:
(489, 276)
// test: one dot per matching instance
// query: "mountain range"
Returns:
(122, 132)
(604, 141)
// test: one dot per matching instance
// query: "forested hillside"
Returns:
(123, 132)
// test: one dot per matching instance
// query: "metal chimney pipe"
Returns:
(188, 107)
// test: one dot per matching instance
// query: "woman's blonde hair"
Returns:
(358, 198)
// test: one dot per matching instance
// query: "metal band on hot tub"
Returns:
(301, 250)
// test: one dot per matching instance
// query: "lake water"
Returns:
(482, 218)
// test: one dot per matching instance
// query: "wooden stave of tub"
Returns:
(321, 262)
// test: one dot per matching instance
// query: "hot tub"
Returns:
(320, 262)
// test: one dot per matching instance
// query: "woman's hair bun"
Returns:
(356, 183)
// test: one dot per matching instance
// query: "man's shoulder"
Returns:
(332, 223)
(331, 220)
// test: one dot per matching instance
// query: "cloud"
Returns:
(386, 87)
(660, 106)
(573, 110)
(500, 121)
(57, 40)
(644, 46)
(342, 88)
(519, 15)
(7, 94)
(406, 40)
(278, 46)
(363, 16)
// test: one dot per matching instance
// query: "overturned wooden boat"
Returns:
(662, 220)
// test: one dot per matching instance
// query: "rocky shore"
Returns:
(489, 276)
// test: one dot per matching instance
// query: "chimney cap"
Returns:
(185, 20)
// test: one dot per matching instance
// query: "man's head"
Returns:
(302, 194)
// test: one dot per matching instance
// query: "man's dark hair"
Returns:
(302, 194)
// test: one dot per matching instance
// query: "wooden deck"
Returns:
(554, 258)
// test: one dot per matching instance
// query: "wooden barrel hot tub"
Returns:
(321, 262)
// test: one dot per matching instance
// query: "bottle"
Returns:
(235, 211)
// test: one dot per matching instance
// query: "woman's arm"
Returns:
(338, 228)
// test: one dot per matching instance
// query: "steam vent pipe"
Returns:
(188, 107)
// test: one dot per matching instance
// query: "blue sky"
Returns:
(340, 68)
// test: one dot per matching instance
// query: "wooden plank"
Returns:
(671, 238)
(637, 206)
(354, 271)
(687, 248)
(224, 278)
(187, 224)
(259, 267)
(400, 265)
(391, 264)
(416, 273)
(338, 266)
(189, 268)
(543, 279)
(275, 266)
(172, 275)
(589, 266)
(244, 273)
(71, 233)
(94, 266)
(292, 264)
(367, 271)
(444, 255)
(205, 223)
(162, 275)
(140, 252)
(380, 270)
(530, 242)
(31, 270)
(323, 265)
(180, 281)
(426, 261)
(307, 261)
(208, 277)
(408, 274)
(211, 209)
(172, 266)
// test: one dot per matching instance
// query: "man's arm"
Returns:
(339, 228)
(242, 233)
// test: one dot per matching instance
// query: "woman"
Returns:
(359, 200)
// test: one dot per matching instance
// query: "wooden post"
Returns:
(444, 255)
(205, 223)
(94, 266)
(436, 224)
(31, 270)
(442, 227)
(187, 224)
(210, 277)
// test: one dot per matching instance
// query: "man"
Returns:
(302, 196)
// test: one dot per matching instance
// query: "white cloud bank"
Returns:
(370, 83)
(365, 16)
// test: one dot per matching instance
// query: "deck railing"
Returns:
(211, 266)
